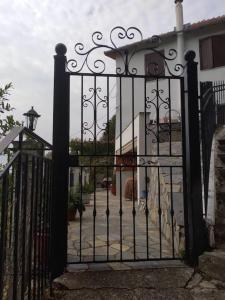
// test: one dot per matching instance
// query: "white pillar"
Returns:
(180, 42)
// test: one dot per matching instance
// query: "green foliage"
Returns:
(8, 122)
(88, 188)
(104, 146)
(109, 133)
(106, 142)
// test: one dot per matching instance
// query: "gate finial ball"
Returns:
(190, 55)
(60, 49)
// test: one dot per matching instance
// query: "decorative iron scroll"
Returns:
(87, 58)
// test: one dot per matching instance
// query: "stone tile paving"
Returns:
(117, 246)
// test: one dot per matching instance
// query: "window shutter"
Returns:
(206, 56)
(154, 64)
(218, 50)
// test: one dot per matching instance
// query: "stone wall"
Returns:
(166, 194)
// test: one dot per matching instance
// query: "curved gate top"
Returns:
(131, 152)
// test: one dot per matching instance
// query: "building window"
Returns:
(154, 64)
(212, 52)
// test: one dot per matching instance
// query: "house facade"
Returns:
(206, 38)
(153, 62)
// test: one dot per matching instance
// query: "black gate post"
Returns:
(194, 218)
(60, 159)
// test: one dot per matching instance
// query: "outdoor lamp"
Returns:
(31, 118)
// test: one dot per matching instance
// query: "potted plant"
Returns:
(113, 185)
(79, 205)
(75, 204)
(87, 190)
(71, 206)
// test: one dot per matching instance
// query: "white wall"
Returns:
(191, 43)
(126, 141)
(128, 96)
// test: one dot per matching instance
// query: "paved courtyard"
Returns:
(121, 244)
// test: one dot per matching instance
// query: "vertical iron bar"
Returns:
(94, 214)
(146, 211)
(159, 213)
(43, 233)
(107, 214)
(134, 212)
(16, 221)
(49, 220)
(107, 107)
(40, 237)
(121, 220)
(95, 117)
(132, 116)
(133, 165)
(48, 187)
(171, 208)
(3, 237)
(24, 225)
(107, 173)
(145, 108)
(81, 209)
(11, 204)
(82, 114)
(120, 116)
(31, 227)
(35, 254)
(157, 115)
(170, 125)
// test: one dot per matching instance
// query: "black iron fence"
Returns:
(208, 126)
(218, 88)
(25, 205)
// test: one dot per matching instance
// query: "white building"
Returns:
(206, 38)
(143, 101)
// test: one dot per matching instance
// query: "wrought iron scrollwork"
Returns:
(87, 58)
(94, 99)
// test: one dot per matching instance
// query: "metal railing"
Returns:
(219, 93)
(208, 126)
(25, 206)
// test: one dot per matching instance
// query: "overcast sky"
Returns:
(30, 29)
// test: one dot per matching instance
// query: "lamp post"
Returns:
(31, 118)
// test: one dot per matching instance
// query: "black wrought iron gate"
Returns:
(144, 178)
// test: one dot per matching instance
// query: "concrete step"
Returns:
(212, 264)
(160, 283)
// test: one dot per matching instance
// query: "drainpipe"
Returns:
(179, 30)
(180, 40)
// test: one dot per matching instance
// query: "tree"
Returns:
(109, 133)
(104, 146)
(8, 122)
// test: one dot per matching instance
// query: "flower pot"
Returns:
(113, 189)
